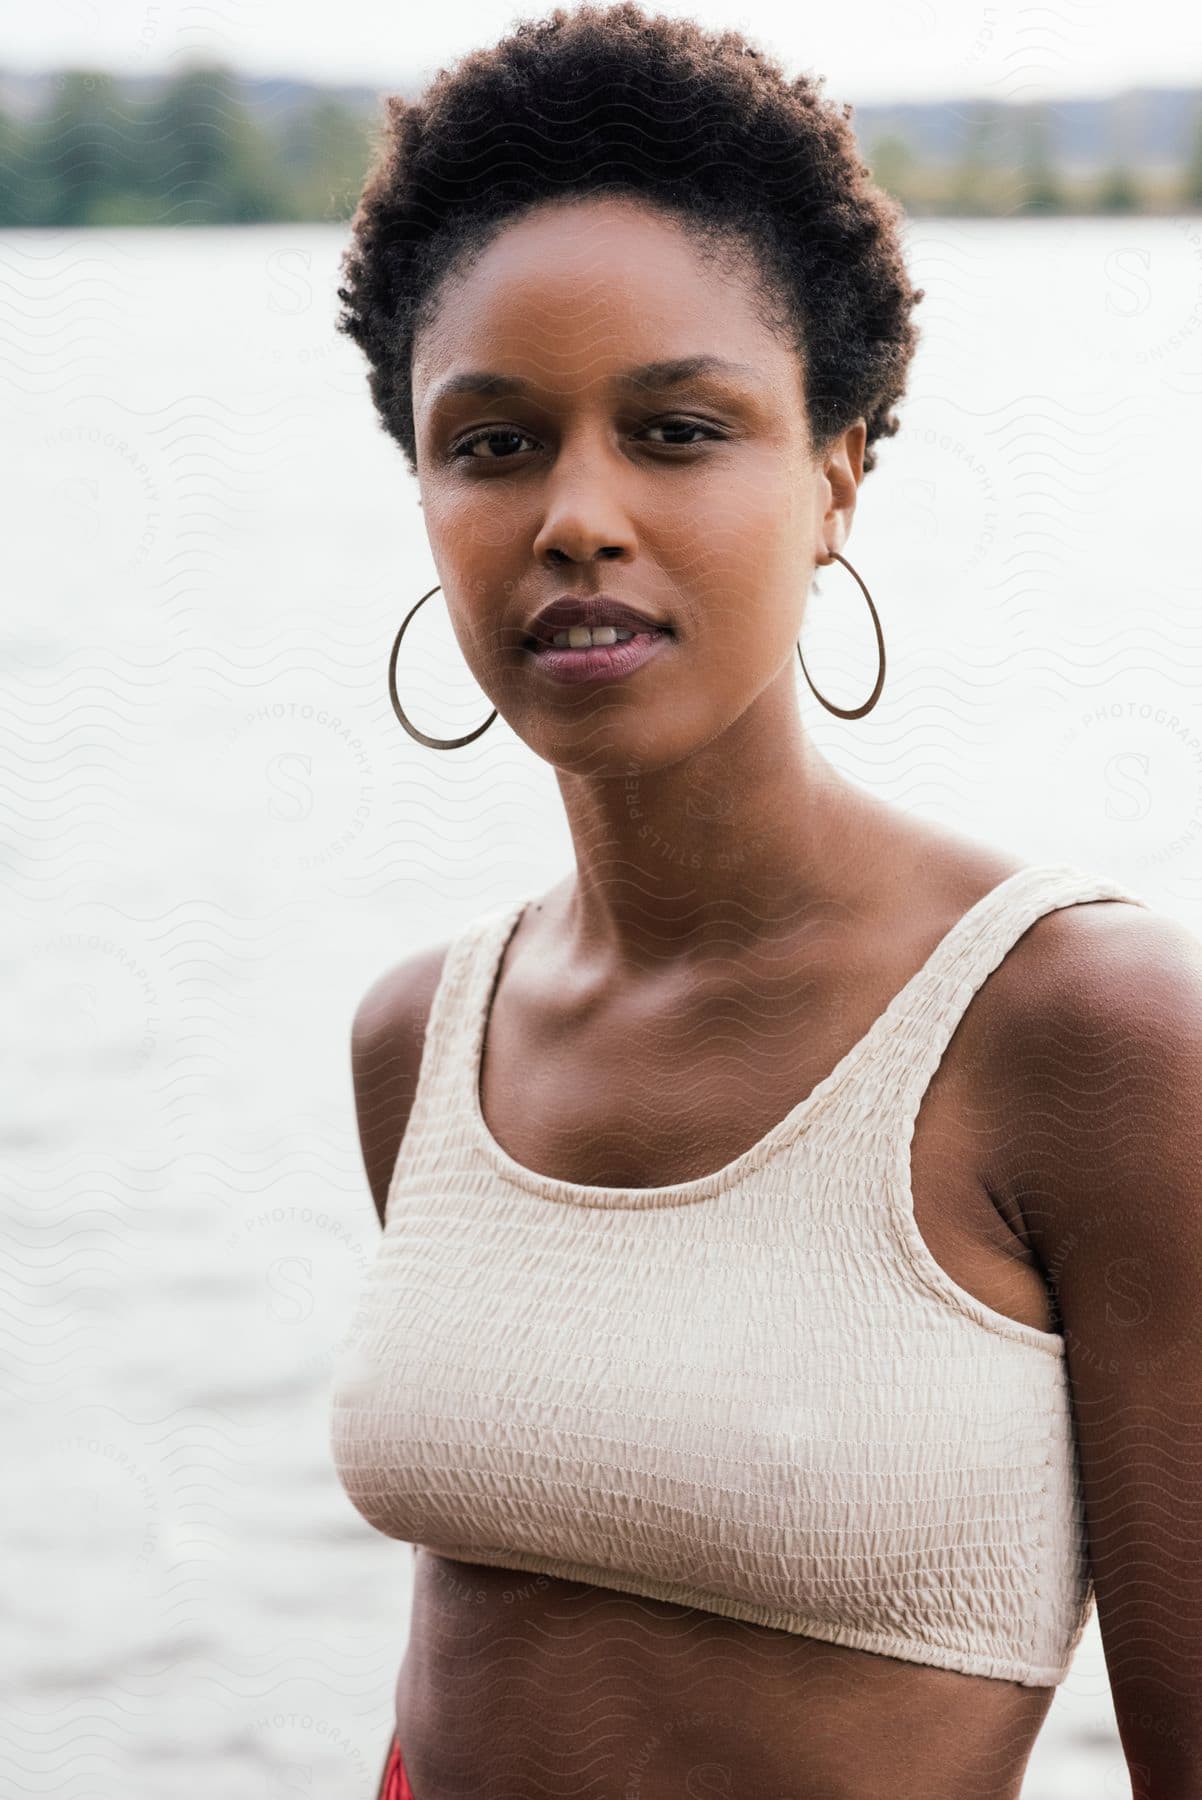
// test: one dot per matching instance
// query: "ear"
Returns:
(854, 439)
(844, 471)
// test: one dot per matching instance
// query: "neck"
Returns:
(744, 839)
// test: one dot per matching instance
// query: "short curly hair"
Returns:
(697, 123)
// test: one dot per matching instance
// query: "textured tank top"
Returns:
(755, 1392)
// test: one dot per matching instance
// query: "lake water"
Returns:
(217, 835)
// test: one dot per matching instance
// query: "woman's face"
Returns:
(697, 500)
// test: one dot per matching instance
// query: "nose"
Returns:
(584, 519)
(562, 551)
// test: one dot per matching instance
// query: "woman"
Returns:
(745, 1316)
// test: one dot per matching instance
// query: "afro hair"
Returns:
(699, 124)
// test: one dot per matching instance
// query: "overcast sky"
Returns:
(868, 50)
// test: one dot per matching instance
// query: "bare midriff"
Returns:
(519, 1684)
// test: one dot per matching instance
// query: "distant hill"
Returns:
(207, 145)
(1145, 128)
(1149, 127)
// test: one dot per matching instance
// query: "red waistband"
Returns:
(394, 1783)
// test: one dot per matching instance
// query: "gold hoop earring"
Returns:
(432, 743)
(853, 712)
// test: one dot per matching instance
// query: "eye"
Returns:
(684, 425)
(485, 435)
(465, 446)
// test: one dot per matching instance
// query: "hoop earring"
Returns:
(842, 712)
(853, 712)
(432, 743)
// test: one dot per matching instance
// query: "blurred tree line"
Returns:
(1004, 166)
(192, 154)
(193, 151)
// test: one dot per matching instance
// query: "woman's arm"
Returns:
(1107, 1067)
(387, 1034)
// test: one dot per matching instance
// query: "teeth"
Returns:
(579, 637)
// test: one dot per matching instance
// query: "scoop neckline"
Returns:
(498, 934)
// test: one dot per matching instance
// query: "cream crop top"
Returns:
(755, 1392)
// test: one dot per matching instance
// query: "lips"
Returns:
(593, 611)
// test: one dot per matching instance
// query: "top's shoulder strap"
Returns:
(448, 1041)
(932, 1004)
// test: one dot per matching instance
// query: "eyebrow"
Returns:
(664, 374)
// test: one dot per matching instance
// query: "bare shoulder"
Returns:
(1106, 970)
(1093, 1010)
(387, 1035)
